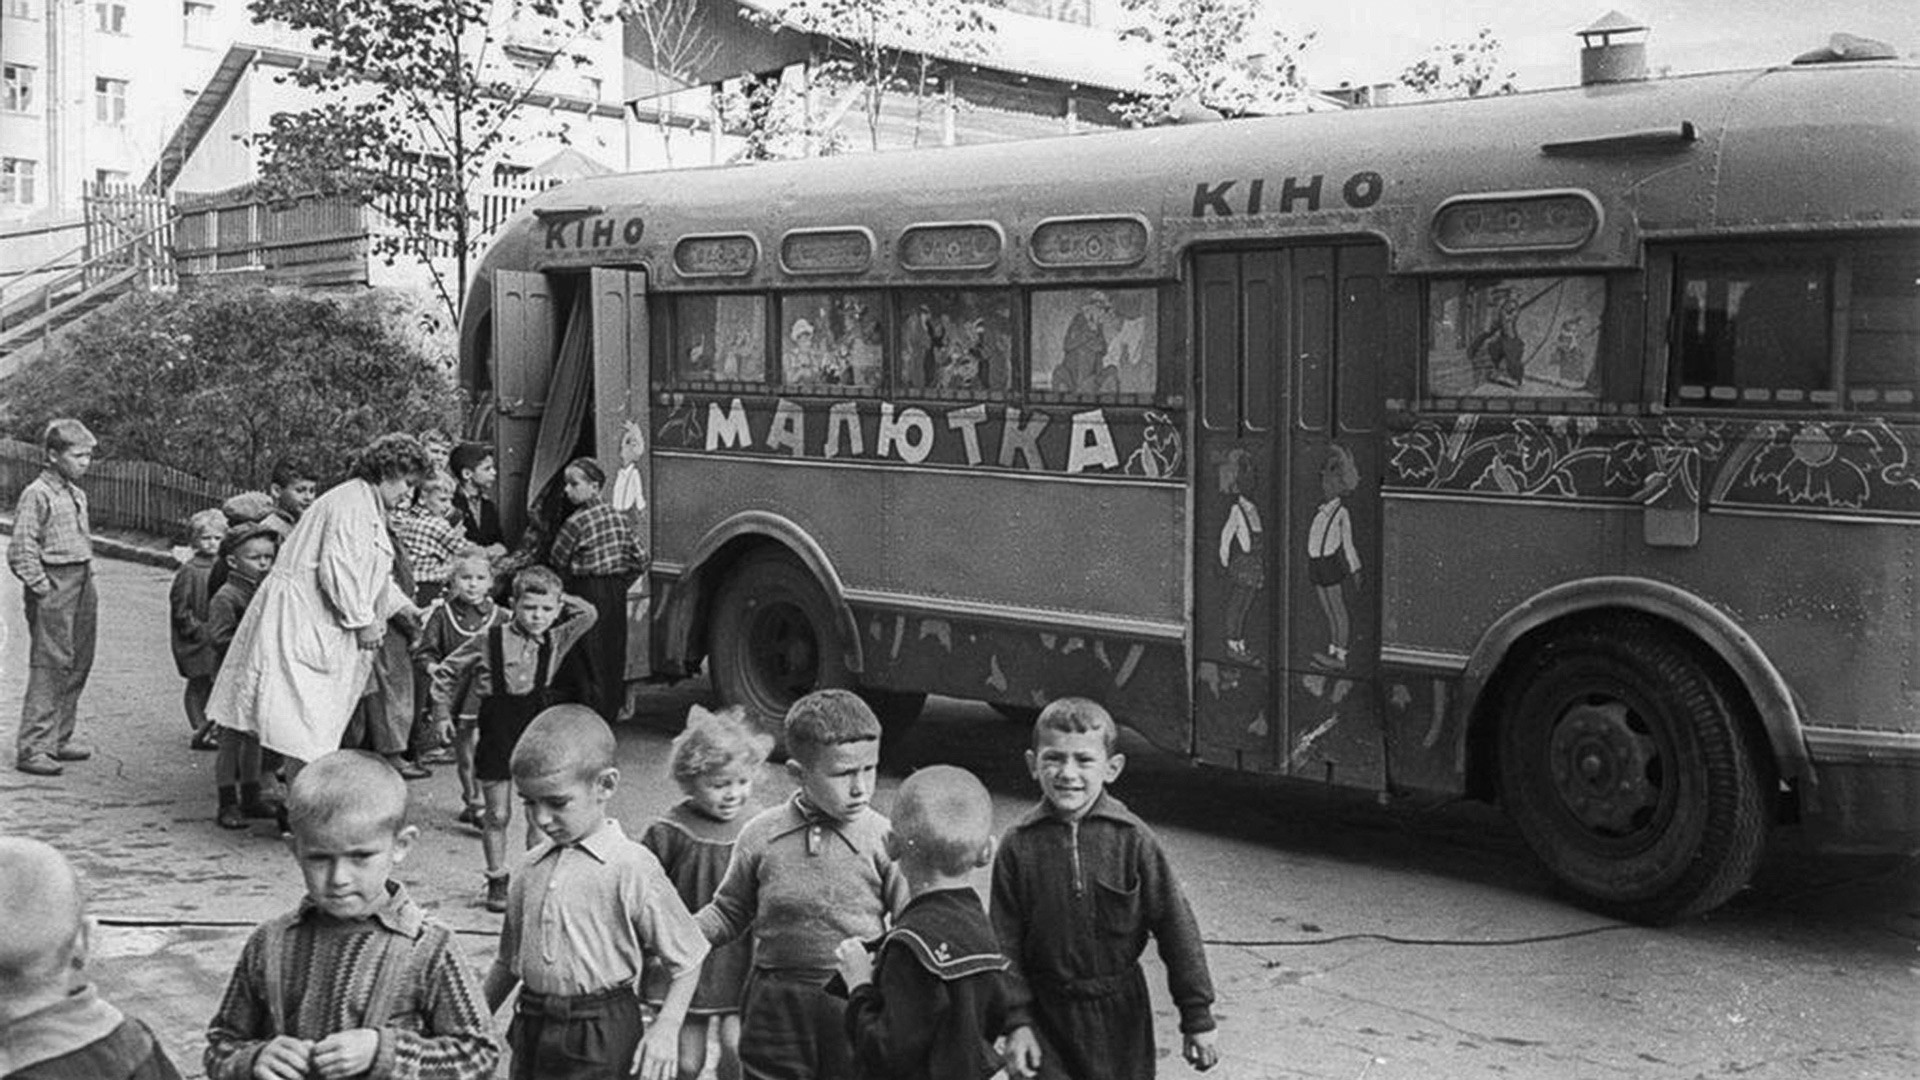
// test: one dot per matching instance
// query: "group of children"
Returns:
(821, 939)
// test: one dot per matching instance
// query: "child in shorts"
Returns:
(466, 610)
(53, 1024)
(193, 655)
(583, 906)
(510, 670)
(805, 876)
(357, 980)
(715, 761)
(930, 1001)
(1079, 884)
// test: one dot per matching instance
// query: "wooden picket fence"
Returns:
(138, 496)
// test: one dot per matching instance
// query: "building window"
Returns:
(110, 16)
(19, 88)
(110, 101)
(592, 86)
(16, 181)
(197, 24)
(20, 9)
(108, 177)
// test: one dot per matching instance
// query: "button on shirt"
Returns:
(579, 916)
(50, 528)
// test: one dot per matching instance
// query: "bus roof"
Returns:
(1784, 150)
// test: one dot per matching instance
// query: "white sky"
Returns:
(1364, 41)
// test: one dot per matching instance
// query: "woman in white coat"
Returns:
(307, 643)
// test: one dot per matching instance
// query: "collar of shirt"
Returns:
(602, 843)
(53, 478)
(803, 815)
(74, 1021)
(398, 913)
(1106, 806)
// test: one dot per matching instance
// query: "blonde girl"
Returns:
(715, 762)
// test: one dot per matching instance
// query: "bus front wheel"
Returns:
(1625, 765)
(772, 639)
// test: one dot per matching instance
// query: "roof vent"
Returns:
(1605, 60)
(1841, 48)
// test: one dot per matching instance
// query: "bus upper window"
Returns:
(1806, 325)
(1095, 342)
(831, 339)
(720, 338)
(955, 339)
(1515, 337)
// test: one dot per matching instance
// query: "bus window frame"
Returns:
(1834, 254)
(898, 298)
(1616, 293)
(1121, 399)
(671, 309)
(777, 369)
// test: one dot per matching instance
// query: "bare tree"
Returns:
(677, 49)
(1462, 69)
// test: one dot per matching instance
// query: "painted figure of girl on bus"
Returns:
(1242, 547)
(1331, 558)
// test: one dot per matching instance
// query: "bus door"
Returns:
(1337, 329)
(622, 379)
(523, 350)
(1287, 343)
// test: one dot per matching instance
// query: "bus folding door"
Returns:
(621, 380)
(523, 350)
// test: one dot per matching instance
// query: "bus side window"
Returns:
(1095, 342)
(1533, 337)
(955, 340)
(720, 338)
(1798, 325)
(832, 339)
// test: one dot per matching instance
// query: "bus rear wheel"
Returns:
(1625, 764)
(772, 640)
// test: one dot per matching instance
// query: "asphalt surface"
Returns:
(1347, 940)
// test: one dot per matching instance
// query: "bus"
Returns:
(1560, 449)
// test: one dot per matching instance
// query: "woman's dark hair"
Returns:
(391, 457)
(590, 469)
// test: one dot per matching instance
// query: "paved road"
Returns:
(1349, 941)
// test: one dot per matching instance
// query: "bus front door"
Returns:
(1285, 361)
(622, 385)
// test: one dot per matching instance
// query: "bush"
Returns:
(220, 384)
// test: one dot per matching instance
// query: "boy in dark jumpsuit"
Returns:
(509, 669)
(1078, 885)
(930, 1001)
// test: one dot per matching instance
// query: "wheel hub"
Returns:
(1602, 767)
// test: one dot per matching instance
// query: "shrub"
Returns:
(221, 383)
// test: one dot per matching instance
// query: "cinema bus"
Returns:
(1560, 448)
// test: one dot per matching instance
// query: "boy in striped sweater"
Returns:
(358, 980)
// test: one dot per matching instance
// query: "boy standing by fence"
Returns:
(52, 555)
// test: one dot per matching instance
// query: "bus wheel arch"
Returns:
(743, 536)
(1631, 758)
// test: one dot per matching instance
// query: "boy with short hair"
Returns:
(805, 876)
(293, 486)
(426, 530)
(1078, 885)
(509, 669)
(357, 980)
(587, 885)
(929, 1002)
(53, 1025)
(52, 555)
(473, 469)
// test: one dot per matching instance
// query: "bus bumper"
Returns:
(1865, 795)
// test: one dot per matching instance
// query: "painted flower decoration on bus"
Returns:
(1820, 463)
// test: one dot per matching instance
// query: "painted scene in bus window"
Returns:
(956, 339)
(1508, 337)
(720, 338)
(1095, 341)
(831, 339)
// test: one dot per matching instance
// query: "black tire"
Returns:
(1627, 765)
(772, 638)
